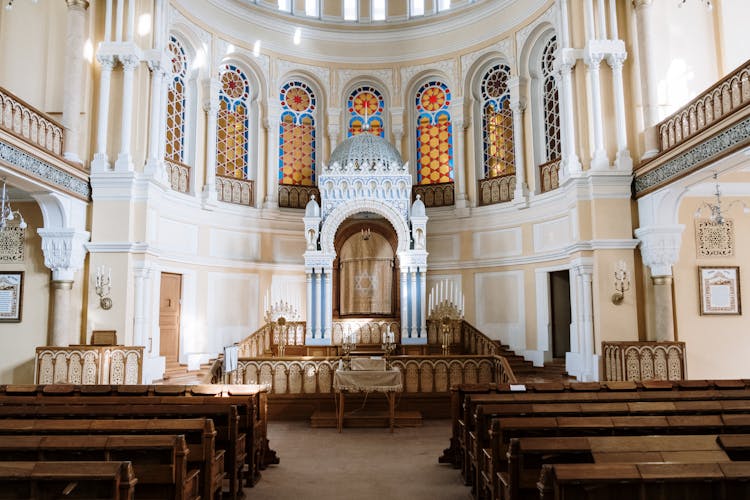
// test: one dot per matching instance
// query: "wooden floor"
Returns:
(327, 419)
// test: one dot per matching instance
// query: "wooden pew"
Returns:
(199, 433)
(159, 462)
(527, 455)
(225, 419)
(82, 480)
(645, 481)
(251, 401)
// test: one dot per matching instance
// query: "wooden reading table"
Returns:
(388, 382)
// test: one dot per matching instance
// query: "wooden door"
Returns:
(559, 282)
(169, 316)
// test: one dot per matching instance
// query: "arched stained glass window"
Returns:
(297, 135)
(232, 123)
(176, 103)
(551, 102)
(434, 134)
(497, 123)
(366, 104)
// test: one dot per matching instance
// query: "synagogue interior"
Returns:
(271, 196)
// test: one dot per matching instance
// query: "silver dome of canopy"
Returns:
(366, 149)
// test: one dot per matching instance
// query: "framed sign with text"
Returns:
(720, 290)
(11, 296)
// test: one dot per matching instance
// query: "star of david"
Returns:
(364, 282)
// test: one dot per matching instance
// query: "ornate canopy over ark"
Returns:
(365, 175)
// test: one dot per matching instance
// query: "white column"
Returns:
(131, 20)
(589, 23)
(518, 105)
(404, 304)
(141, 284)
(211, 106)
(272, 151)
(319, 294)
(124, 159)
(108, 21)
(599, 160)
(101, 162)
(73, 76)
(423, 304)
(602, 15)
(64, 252)
(459, 157)
(309, 306)
(154, 163)
(118, 20)
(334, 127)
(328, 312)
(613, 34)
(414, 330)
(623, 161)
(587, 323)
(660, 250)
(647, 68)
(570, 164)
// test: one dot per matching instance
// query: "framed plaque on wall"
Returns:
(11, 296)
(720, 290)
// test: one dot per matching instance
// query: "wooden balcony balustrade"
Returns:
(639, 361)
(549, 176)
(179, 175)
(86, 365)
(294, 196)
(237, 191)
(497, 189)
(30, 124)
(435, 195)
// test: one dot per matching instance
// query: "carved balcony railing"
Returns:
(644, 361)
(86, 365)
(293, 196)
(179, 175)
(422, 374)
(497, 189)
(262, 342)
(435, 195)
(549, 176)
(29, 124)
(722, 99)
(237, 191)
(711, 126)
(370, 331)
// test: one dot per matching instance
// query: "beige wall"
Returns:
(717, 346)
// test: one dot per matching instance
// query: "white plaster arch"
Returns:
(353, 207)
(258, 83)
(371, 81)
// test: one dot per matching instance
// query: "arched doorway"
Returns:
(365, 270)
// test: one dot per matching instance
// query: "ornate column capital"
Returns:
(639, 4)
(660, 247)
(211, 87)
(106, 61)
(64, 251)
(593, 60)
(616, 60)
(129, 61)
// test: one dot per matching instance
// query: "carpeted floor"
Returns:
(359, 464)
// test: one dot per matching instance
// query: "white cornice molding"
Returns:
(564, 253)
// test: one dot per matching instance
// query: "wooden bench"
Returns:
(82, 480)
(251, 401)
(225, 419)
(199, 434)
(526, 456)
(645, 481)
(159, 462)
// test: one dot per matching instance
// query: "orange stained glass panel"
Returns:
(297, 152)
(434, 149)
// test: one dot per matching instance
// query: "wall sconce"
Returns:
(622, 282)
(104, 287)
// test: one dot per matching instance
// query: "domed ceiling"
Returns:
(366, 149)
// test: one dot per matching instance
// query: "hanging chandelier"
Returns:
(716, 210)
(7, 214)
(707, 3)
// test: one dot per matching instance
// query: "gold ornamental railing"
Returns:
(725, 97)
(435, 195)
(237, 191)
(30, 124)
(86, 365)
(644, 361)
(549, 176)
(293, 196)
(179, 175)
(497, 189)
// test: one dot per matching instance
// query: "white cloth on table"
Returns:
(368, 381)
